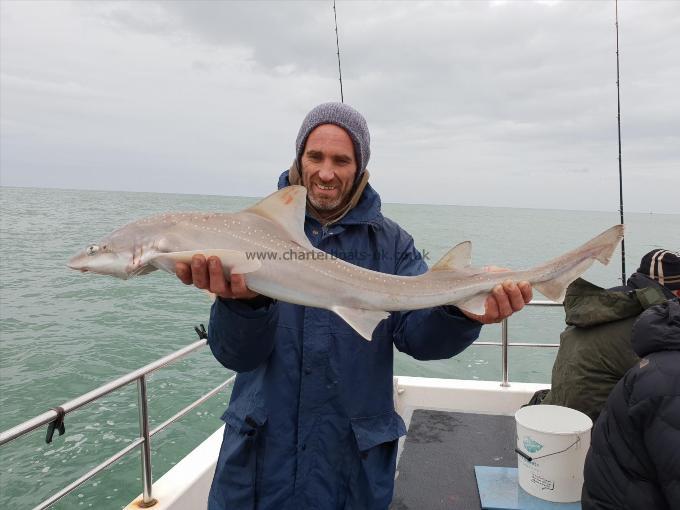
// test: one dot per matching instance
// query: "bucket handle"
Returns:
(530, 459)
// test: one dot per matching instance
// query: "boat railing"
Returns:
(54, 417)
(504, 343)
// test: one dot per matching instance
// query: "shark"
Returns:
(267, 244)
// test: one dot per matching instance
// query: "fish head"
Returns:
(106, 257)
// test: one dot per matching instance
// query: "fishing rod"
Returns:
(618, 117)
(337, 45)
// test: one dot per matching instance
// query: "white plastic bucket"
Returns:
(556, 439)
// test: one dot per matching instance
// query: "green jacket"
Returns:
(595, 349)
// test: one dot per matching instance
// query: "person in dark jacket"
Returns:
(311, 421)
(634, 459)
(595, 348)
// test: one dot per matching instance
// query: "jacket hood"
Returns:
(642, 281)
(367, 210)
(586, 304)
(658, 329)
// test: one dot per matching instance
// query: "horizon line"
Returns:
(390, 203)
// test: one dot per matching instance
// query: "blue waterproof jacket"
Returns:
(311, 422)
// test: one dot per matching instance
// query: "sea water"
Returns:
(63, 333)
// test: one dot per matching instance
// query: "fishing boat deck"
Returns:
(453, 425)
(436, 469)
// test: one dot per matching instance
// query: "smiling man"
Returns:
(333, 149)
(329, 168)
(311, 421)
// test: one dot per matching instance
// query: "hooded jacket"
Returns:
(311, 421)
(634, 459)
(595, 349)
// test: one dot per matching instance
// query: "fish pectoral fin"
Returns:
(233, 261)
(476, 304)
(363, 321)
(458, 257)
(556, 288)
(142, 270)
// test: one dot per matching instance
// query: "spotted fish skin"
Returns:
(267, 244)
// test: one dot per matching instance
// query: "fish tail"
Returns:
(605, 244)
(600, 248)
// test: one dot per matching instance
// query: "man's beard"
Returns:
(327, 205)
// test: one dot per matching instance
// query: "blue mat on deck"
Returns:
(499, 490)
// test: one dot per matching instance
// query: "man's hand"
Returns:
(208, 275)
(504, 300)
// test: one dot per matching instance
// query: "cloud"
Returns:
(498, 103)
(65, 88)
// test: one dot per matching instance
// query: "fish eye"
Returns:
(92, 249)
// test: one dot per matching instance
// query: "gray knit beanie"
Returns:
(345, 117)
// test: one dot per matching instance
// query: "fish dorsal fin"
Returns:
(458, 257)
(286, 208)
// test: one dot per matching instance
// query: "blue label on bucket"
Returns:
(531, 445)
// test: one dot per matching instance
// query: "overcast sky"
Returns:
(505, 103)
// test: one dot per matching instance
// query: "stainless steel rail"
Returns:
(144, 440)
(78, 402)
(504, 344)
(84, 478)
(147, 480)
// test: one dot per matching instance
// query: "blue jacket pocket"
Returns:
(374, 430)
(239, 464)
(376, 438)
(245, 423)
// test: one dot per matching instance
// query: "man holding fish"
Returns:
(311, 421)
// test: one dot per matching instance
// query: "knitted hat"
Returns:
(347, 118)
(663, 266)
